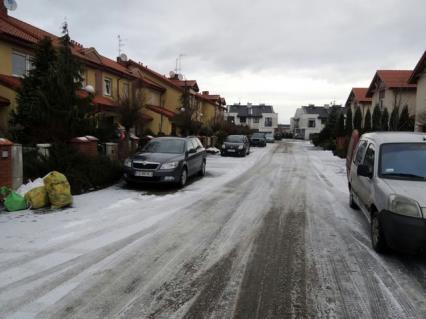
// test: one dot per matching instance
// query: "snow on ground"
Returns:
(25, 230)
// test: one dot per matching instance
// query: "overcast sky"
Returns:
(284, 53)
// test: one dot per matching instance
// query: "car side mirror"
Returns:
(192, 151)
(364, 170)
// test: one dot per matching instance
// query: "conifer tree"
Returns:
(367, 121)
(349, 124)
(385, 120)
(340, 129)
(377, 118)
(394, 119)
(358, 119)
(405, 123)
(49, 107)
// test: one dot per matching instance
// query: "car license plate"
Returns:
(144, 174)
(231, 151)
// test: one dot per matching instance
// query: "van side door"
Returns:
(366, 183)
(357, 160)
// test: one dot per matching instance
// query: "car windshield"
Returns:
(172, 146)
(269, 136)
(403, 161)
(234, 139)
(258, 135)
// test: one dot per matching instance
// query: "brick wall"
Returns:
(6, 163)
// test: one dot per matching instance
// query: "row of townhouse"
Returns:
(394, 88)
(261, 118)
(111, 80)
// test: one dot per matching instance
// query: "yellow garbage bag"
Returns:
(37, 197)
(58, 189)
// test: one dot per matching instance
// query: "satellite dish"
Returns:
(123, 57)
(180, 77)
(10, 4)
(172, 74)
(89, 89)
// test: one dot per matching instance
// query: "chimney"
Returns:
(3, 10)
(206, 92)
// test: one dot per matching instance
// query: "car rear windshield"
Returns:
(234, 138)
(171, 146)
(257, 135)
(405, 161)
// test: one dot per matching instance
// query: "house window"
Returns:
(125, 90)
(107, 87)
(268, 121)
(311, 123)
(381, 94)
(255, 120)
(21, 64)
(231, 119)
(243, 119)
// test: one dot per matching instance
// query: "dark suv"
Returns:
(258, 139)
(167, 160)
(236, 145)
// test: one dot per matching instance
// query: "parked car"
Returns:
(278, 136)
(258, 139)
(270, 138)
(387, 181)
(167, 160)
(236, 145)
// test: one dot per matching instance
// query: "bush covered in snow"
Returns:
(83, 173)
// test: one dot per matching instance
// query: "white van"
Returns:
(387, 181)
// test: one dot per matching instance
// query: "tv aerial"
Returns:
(10, 4)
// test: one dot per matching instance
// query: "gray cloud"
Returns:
(336, 41)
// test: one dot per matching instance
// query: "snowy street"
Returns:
(266, 236)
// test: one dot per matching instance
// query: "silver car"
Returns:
(387, 181)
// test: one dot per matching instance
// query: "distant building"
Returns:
(283, 128)
(258, 117)
(310, 120)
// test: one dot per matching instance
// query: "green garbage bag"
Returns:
(12, 200)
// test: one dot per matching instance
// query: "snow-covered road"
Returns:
(267, 236)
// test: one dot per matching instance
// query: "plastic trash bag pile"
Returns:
(56, 192)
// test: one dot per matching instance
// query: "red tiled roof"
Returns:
(161, 110)
(144, 68)
(12, 82)
(104, 101)
(361, 94)
(23, 31)
(148, 83)
(391, 79)
(421, 65)
(4, 101)
(183, 83)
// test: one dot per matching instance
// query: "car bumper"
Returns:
(403, 232)
(258, 143)
(163, 176)
(233, 152)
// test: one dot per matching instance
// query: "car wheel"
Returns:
(378, 240)
(222, 153)
(203, 169)
(248, 151)
(352, 203)
(183, 177)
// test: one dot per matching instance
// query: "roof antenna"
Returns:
(120, 44)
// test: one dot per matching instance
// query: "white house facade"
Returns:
(258, 117)
(308, 120)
